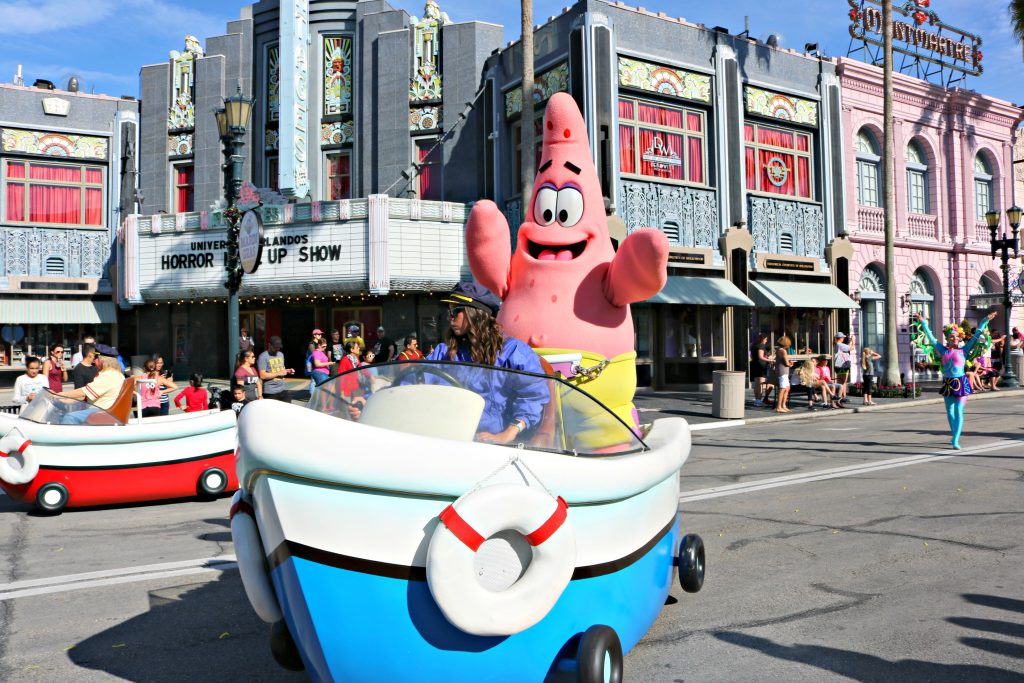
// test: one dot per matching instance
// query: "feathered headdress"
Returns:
(980, 348)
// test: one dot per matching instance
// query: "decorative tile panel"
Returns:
(180, 145)
(337, 133)
(426, 80)
(270, 139)
(337, 75)
(182, 113)
(273, 91)
(25, 251)
(664, 80)
(54, 144)
(424, 118)
(691, 211)
(778, 106)
(803, 222)
(555, 79)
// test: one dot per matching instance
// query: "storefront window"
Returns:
(662, 142)
(517, 143)
(57, 194)
(642, 331)
(184, 188)
(428, 156)
(778, 161)
(339, 176)
(806, 327)
(695, 332)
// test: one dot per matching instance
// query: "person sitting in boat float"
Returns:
(474, 336)
(102, 391)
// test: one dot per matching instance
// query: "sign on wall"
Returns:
(293, 143)
(938, 51)
(250, 241)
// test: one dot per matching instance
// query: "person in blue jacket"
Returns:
(513, 402)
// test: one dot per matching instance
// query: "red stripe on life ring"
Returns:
(22, 447)
(243, 507)
(461, 529)
(548, 528)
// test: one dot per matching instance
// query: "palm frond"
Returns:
(1017, 18)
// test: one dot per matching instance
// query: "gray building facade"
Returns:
(68, 169)
(728, 145)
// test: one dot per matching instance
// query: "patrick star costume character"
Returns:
(565, 289)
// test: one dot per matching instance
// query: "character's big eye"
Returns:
(544, 207)
(569, 208)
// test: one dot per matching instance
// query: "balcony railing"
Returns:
(870, 220)
(923, 226)
(982, 235)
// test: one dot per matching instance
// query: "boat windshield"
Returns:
(463, 401)
(49, 408)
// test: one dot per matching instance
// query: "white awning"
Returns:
(785, 294)
(19, 311)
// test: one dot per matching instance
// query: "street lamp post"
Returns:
(232, 120)
(1004, 246)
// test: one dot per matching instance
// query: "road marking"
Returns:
(839, 429)
(704, 426)
(836, 472)
(111, 577)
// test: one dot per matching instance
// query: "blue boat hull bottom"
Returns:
(355, 620)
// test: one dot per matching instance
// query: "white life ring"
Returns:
(252, 563)
(470, 606)
(16, 448)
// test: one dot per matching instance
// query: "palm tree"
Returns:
(892, 366)
(1017, 19)
(528, 162)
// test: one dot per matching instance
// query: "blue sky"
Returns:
(105, 42)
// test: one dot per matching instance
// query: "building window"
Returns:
(982, 186)
(272, 169)
(662, 142)
(922, 297)
(917, 179)
(339, 176)
(430, 184)
(54, 194)
(778, 161)
(868, 169)
(184, 188)
(517, 155)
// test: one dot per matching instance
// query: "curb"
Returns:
(808, 415)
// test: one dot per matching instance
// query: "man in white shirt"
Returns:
(77, 358)
(28, 385)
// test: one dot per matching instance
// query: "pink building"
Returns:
(954, 162)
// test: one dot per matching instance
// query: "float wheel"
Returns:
(52, 497)
(691, 563)
(212, 481)
(282, 646)
(599, 656)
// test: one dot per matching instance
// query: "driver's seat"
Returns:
(122, 408)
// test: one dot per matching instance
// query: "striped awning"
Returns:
(22, 311)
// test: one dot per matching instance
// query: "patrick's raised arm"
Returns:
(489, 247)
(639, 268)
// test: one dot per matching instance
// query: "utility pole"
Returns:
(528, 162)
(892, 353)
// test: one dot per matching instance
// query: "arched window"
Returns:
(917, 179)
(987, 285)
(922, 296)
(982, 186)
(868, 169)
(871, 282)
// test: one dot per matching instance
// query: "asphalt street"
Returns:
(847, 547)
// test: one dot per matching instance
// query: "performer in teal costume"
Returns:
(954, 358)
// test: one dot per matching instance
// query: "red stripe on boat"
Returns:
(243, 507)
(548, 528)
(22, 447)
(461, 528)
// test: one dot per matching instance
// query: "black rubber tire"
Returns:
(48, 502)
(210, 488)
(599, 656)
(691, 563)
(282, 646)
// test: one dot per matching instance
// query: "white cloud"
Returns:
(29, 18)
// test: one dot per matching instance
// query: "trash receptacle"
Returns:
(728, 394)
(1017, 363)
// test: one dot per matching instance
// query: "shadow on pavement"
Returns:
(858, 666)
(192, 632)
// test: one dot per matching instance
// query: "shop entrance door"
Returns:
(256, 323)
(367, 317)
(296, 332)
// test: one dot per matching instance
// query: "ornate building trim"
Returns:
(337, 133)
(778, 106)
(688, 215)
(424, 118)
(555, 79)
(337, 75)
(54, 144)
(664, 80)
(81, 253)
(772, 219)
(426, 81)
(180, 145)
(182, 113)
